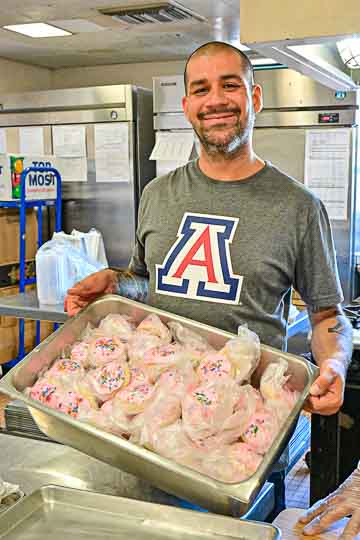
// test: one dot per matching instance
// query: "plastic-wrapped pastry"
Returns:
(243, 352)
(103, 350)
(215, 366)
(139, 344)
(275, 389)
(45, 392)
(206, 407)
(119, 422)
(121, 326)
(73, 403)
(193, 342)
(261, 431)
(107, 380)
(57, 397)
(232, 463)
(80, 352)
(64, 368)
(153, 325)
(172, 442)
(159, 359)
(137, 394)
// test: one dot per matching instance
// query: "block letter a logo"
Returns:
(198, 265)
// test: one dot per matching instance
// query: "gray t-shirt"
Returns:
(227, 253)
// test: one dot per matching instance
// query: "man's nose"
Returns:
(216, 96)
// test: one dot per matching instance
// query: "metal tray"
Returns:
(57, 513)
(220, 497)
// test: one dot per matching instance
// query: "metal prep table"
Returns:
(33, 463)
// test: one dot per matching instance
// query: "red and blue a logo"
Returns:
(198, 265)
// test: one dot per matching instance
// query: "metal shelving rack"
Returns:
(22, 205)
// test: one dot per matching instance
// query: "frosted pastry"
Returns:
(45, 392)
(108, 379)
(117, 325)
(205, 408)
(160, 359)
(197, 345)
(261, 431)
(137, 395)
(73, 403)
(65, 367)
(233, 463)
(139, 344)
(103, 350)
(243, 352)
(275, 389)
(215, 366)
(80, 352)
(153, 325)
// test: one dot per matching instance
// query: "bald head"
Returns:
(216, 47)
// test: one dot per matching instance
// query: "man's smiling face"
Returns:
(219, 101)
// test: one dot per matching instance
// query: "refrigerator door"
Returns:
(285, 148)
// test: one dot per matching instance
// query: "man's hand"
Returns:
(327, 391)
(87, 290)
(331, 345)
(343, 502)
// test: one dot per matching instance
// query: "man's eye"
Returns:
(231, 85)
(200, 91)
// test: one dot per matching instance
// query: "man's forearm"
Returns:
(132, 285)
(331, 336)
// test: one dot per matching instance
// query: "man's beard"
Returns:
(229, 146)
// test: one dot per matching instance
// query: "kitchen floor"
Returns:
(298, 485)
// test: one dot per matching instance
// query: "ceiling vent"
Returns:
(161, 12)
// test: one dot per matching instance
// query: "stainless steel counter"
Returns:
(32, 464)
(26, 306)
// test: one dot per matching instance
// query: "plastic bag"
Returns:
(193, 342)
(92, 242)
(244, 353)
(206, 407)
(274, 387)
(231, 463)
(58, 267)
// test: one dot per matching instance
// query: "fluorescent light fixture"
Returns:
(263, 61)
(349, 50)
(37, 30)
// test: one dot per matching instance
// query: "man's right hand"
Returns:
(89, 289)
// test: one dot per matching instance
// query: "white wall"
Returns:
(139, 74)
(18, 77)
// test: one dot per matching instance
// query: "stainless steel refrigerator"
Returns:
(111, 207)
(294, 107)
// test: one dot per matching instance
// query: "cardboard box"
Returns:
(10, 235)
(37, 185)
(9, 339)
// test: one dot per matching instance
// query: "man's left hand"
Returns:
(327, 391)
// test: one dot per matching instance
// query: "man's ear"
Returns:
(257, 98)
(184, 103)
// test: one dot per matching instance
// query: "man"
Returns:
(223, 239)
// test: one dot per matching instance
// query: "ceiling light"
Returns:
(263, 61)
(349, 50)
(37, 30)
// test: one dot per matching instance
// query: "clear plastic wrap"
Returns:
(153, 325)
(231, 463)
(139, 344)
(274, 387)
(196, 344)
(118, 325)
(206, 407)
(261, 430)
(104, 382)
(243, 352)
(103, 350)
(160, 359)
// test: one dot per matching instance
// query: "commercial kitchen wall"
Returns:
(140, 74)
(19, 77)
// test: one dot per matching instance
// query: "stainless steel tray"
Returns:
(221, 497)
(57, 513)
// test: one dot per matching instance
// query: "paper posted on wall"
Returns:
(327, 162)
